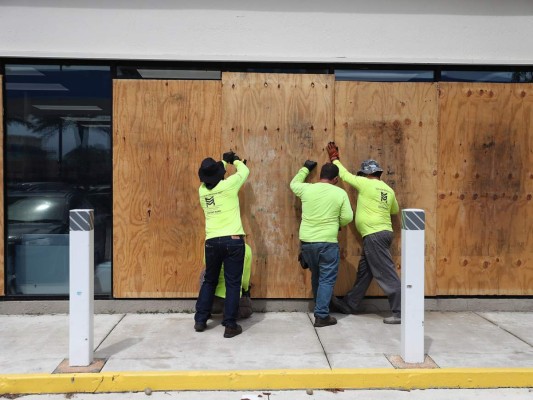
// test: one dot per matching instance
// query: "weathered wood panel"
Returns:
(162, 131)
(395, 124)
(276, 121)
(485, 187)
(2, 261)
(478, 206)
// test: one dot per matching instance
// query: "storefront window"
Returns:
(57, 158)
(487, 76)
(382, 75)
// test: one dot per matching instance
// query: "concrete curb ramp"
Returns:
(405, 379)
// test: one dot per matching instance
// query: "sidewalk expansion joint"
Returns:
(503, 329)
(320, 341)
(110, 331)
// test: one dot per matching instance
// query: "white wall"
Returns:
(378, 31)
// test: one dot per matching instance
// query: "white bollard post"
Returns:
(81, 304)
(413, 228)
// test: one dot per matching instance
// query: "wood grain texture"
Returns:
(460, 151)
(395, 124)
(276, 121)
(2, 223)
(485, 188)
(162, 131)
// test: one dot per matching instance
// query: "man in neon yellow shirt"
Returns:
(245, 305)
(224, 239)
(376, 201)
(325, 208)
(246, 273)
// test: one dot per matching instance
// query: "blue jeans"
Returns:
(323, 261)
(230, 251)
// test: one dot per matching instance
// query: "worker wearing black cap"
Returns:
(224, 239)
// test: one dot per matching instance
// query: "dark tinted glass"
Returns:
(58, 157)
(380, 75)
(127, 72)
(487, 76)
(35, 209)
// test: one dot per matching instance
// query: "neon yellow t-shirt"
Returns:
(221, 204)
(325, 207)
(376, 201)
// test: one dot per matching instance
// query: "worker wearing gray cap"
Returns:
(376, 201)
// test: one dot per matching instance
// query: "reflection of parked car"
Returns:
(38, 228)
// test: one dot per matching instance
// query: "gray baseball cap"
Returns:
(369, 167)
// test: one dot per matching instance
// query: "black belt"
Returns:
(228, 237)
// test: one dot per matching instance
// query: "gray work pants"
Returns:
(376, 262)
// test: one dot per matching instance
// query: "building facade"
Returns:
(112, 106)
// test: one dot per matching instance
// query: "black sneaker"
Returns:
(321, 322)
(339, 305)
(230, 332)
(200, 326)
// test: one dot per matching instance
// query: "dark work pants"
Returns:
(230, 251)
(376, 262)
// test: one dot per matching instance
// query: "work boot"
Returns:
(339, 305)
(200, 326)
(393, 320)
(230, 331)
(321, 322)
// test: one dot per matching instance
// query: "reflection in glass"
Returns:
(31, 209)
(128, 72)
(58, 157)
(379, 75)
(487, 76)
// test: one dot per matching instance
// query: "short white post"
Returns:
(413, 228)
(81, 304)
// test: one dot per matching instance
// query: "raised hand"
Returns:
(310, 165)
(333, 151)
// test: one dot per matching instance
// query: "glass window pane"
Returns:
(126, 72)
(32, 209)
(487, 76)
(58, 157)
(383, 75)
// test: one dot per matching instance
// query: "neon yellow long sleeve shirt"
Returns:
(220, 291)
(325, 208)
(376, 201)
(221, 204)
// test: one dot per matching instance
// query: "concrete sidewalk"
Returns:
(277, 350)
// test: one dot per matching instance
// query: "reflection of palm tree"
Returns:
(18, 170)
(48, 125)
(88, 166)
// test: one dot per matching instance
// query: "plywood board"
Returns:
(2, 260)
(471, 173)
(485, 187)
(162, 131)
(276, 121)
(395, 124)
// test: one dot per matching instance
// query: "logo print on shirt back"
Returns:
(384, 196)
(209, 201)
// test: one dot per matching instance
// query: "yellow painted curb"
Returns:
(405, 379)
